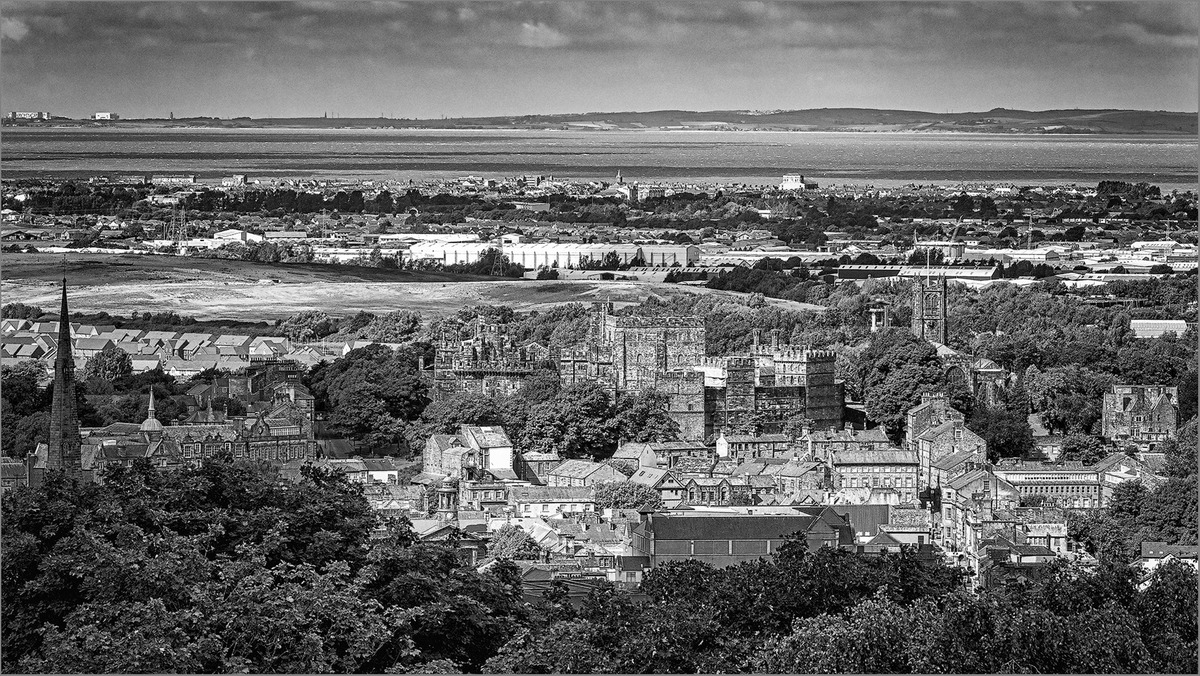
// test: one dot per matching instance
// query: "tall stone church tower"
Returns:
(929, 309)
(64, 449)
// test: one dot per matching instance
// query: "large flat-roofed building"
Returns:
(26, 115)
(1157, 328)
(173, 179)
(105, 116)
(723, 539)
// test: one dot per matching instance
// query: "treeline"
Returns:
(222, 569)
(106, 391)
(143, 321)
(581, 420)
(72, 198)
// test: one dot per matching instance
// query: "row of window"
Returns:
(881, 482)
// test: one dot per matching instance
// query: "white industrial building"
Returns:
(532, 256)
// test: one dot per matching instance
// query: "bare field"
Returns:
(210, 289)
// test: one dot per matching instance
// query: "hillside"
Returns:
(998, 121)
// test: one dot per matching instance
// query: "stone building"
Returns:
(935, 430)
(630, 354)
(929, 309)
(1142, 415)
(490, 362)
(723, 539)
(878, 468)
(768, 387)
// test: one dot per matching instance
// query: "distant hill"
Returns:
(996, 121)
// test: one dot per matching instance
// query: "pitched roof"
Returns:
(875, 457)
(864, 518)
(954, 460)
(700, 526)
(552, 493)
(651, 477)
(689, 465)
(444, 441)
(486, 437)
(534, 456)
(759, 439)
(577, 469)
(1158, 550)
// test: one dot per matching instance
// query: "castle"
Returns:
(636, 354)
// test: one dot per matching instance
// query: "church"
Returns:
(282, 430)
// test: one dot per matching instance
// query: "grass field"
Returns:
(220, 289)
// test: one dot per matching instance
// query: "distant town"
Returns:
(995, 121)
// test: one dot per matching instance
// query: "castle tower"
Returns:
(64, 451)
(929, 310)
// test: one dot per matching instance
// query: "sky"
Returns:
(457, 59)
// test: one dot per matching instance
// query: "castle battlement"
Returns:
(802, 354)
(634, 322)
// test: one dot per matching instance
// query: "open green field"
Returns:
(221, 289)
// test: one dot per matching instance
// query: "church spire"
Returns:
(151, 427)
(64, 448)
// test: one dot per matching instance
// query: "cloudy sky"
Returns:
(429, 59)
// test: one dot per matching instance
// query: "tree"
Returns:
(1007, 433)
(20, 311)
(627, 495)
(109, 364)
(643, 417)
(393, 327)
(446, 415)
(896, 369)
(511, 542)
(371, 393)
(576, 423)
(308, 325)
(1082, 447)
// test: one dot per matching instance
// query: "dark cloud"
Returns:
(786, 54)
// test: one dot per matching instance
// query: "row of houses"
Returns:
(179, 353)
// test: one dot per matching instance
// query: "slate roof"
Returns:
(872, 435)
(487, 437)
(688, 465)
(1158, 550)
(577, 469)
(724, 467)
(444, 441)
(552, 493)
(534, 456)
(632, 451)
(864, 518)
(650, 477)
(954, 460)
(701, 526)
(876, 457)
(760, 439)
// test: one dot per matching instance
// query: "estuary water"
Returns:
(756, 158)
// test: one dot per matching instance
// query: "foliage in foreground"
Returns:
(223, 569)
